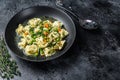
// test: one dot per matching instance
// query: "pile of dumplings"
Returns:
(41, 37)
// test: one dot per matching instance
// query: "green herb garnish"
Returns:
(8, 67)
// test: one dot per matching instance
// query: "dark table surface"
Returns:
(95, 55)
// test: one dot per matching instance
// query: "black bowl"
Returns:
(38, 11)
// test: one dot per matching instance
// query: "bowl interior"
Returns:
(39, 11)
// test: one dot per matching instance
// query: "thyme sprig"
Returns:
(8, 66)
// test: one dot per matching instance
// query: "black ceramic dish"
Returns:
(38, 11)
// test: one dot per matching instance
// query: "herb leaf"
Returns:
(8, 66)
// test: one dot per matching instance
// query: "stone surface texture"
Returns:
(95, 55)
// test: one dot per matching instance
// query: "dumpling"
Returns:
(22, 44)
(41, 43)
(26, 28)
(28, 39)
(48, 51)
(63, 33)
(59, 45)
(25, 33)
(33, 22)
(36, 30)
(31, 50)
(19, 30)
(48, 22)
(57, 24)
(54, 35)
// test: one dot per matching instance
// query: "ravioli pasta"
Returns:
(41, 37)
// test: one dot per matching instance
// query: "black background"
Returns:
(95, 55)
